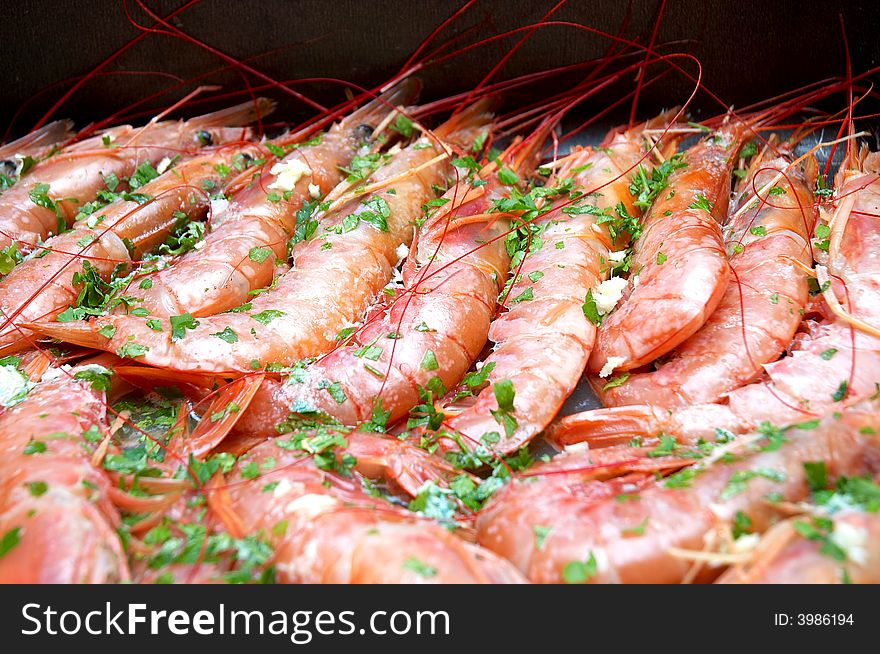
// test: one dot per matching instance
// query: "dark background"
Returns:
(749, 50)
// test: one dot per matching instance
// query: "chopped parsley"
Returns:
(700, 202)
(422, 569)
(267, 316)
(227, 335)
(580, 572)
(179, 325)
(645, 189)
(10, 539)
(259, 255)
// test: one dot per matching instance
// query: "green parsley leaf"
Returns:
(227, 335)
(267, 316)
(817, 475)
(132, 350)
(259, 254)
(429, 361)
(579, 572)
(37, 488)
(422, 569)
(336, 392)
(10, 539)
(504, 394)
(525, 296)
(179, 325)
(507, 177)
(614, 382)
(738, 481)
(700, 202)
(403, 126)
(590, 310)
(34, 447)
(742, 525)
(541, 533)
(100, 380)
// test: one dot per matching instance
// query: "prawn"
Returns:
(106, 242)
(839, 359)
(762, 306)
(331, 531)
(324, 475)
(560, 527)
(57, 187)
(679, 262)
(29, 149)
(335, 276)
(841, 548)
(835, 361)
(430, 334)
(544, 339)
(245, 241)
(55, 511)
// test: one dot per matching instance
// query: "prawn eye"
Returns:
(204, 137)
(7, 167)
(363, 132)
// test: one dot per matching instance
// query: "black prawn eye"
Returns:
(204, 137)
(363, 132)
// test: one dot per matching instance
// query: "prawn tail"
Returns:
(611, 462)
(397, 461)
(810, 167)
(401, 94)
(35, 363)
(662, 120)
(220, 503)
(39, 139)
(194, 385)
(218, 420)
(856, 158)
(373, 114)
(605, 427)
(75, 332)
(772, 149)
(236, 116)
(466, 125)
(871, 163)
(525, 156)
(662, 133)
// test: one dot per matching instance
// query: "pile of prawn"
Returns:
(340, 356)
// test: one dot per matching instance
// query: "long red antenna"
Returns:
(178, 33)
(73, 89)
(641, 77)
